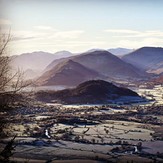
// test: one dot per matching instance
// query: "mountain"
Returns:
(55, 62)
(120, 51)
(92, 92)
(94, 49)
(31, 74)
(36, 61)
(65, 55)
(67, 73)
(149, 59)
(104, 63)
(62, 54)
(107, 64)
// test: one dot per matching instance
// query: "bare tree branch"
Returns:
(10, 82)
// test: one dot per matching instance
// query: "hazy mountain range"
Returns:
(149, 59)
(34, 63)
(65, 68)
(90, 65)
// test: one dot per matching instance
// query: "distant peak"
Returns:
(98, 52)
(34, 53)
(62, 51)
(92, 50)
(150, 47)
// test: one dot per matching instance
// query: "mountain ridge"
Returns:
(149, 59)
(104, 63)
(68, 73)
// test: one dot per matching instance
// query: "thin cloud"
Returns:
(122, 31)
(68, 34)
(149, 34)
(27, 35)
(5, 22)
(45, 35)
(141, 42)
(82, 43)
(134, 34)
(22, 38)
(41, 27)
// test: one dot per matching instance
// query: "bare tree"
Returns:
(10, 83)
(4, 62)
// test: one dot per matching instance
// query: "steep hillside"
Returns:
(55, 62)
(107, 64)
(92, 92)
(67, 73)
(149, 59)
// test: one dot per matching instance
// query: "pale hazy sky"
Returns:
(79, 25)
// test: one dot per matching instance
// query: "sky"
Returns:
(80, 25)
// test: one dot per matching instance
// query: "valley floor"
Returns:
(85, 133)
